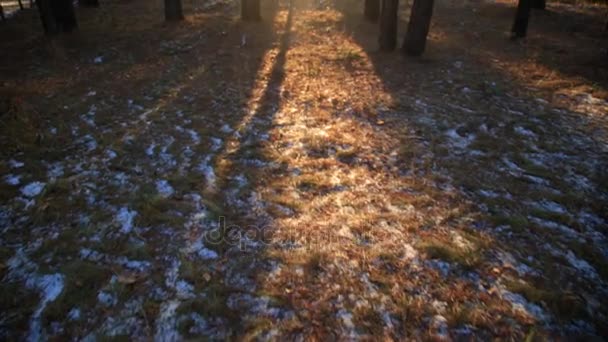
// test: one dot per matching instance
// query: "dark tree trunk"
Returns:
(2, 13)
(88, 3)
(57, 16)
(539, 4)
(32, 3)
(388, 25)
(173, 10)
(63, 10)
(250, 10)
(522, 15)
(20, 4)
(49, 22)
(372, 10)
(418, 27)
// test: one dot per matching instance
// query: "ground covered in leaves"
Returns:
(283, 179)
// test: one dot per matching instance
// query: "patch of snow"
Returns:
(74, 314)
(150, 150)
(581, 265)
(458, 140)
(50, 286)
(226, 129)
(184, 289)
(11, 179)
(525, 132)
(33, 189)
(98, 60)
(107, 299)
(164, 188)
(15, 164)
(519, 303)
(207, 254)
(166, 322)
(92, 93)
(110, 154)
(196, 138)
(216, 144)
(208, 172)
(55, 171)
(125, 218)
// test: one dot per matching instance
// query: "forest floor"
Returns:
(283, 179)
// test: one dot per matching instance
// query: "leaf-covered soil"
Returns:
(285, 180)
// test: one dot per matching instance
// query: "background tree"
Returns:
(522, 15)
(372, 10)
(2, 13)
(250, 10)
(57, 16)
(173, 10)
(539, 4)
(88, 3)
(388, 25)
(418, 27)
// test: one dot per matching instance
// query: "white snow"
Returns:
(525, 132)
(33, 189)
(208, 171)
(216, 144)
(15, 164)
(458, 140)
(11, 179)
(55, 171)
(166, 322)
(50, 286)
(196, 138)
(226, 129)
(125, 219)
(98, 60)
(164, 188)
(106, 298)
(581, 265)
(207, 254)
(150, 150)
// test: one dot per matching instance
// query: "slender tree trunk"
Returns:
(2, 13)
(522, 15)
(418, 27)
(32, 3)
(388, 25)
(20, 4)
(250, 10)
(49, 22)
(539, 4)
(372, 10)
(63, 10)
(173, 10)
(88, 3)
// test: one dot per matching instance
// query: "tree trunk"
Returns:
(63, 10)
(20, 4)
(173, 10)
(520, 26)
(49, 22)
(250, 10)
(372, 10)
(388, 25)
(418, 27)
(2, 13)
(32, 3)
(539, 4)
(88, 3)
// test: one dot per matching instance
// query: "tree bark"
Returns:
(372, 10)
(88, 3)
(20, 4)
(388, 25)
(173, 10)
(63, 10)
(539, 4)
(250, 10)
(418, 27)
(522, 15)
(2, 13)
(49, 22)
